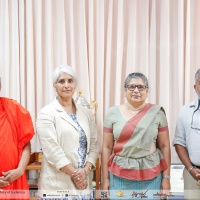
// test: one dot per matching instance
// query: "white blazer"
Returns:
(59, 139)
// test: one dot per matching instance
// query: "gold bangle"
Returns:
(86, 171)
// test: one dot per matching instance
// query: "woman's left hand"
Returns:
(79, 174)
(165, 187)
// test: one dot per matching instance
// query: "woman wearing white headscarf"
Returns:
(68, 137)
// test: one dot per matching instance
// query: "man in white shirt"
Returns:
(187, 143)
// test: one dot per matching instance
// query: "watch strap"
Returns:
(166, 176)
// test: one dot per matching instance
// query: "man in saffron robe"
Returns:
(16, 131)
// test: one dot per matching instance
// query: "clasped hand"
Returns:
(3, 183)
(9, 177)
(79, 177)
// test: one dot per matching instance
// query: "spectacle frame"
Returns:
(139, 87)
(193, 116)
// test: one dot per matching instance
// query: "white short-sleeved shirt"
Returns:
(185, 135)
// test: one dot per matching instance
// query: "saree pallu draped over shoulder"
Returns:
(16, 130)
(130, 158)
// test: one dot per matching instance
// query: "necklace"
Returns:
(134, 110)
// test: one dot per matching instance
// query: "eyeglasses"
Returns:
(139, 87)
(193, 116)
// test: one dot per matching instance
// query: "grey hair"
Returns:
(64, 69)
(136, 75)
(197, 76)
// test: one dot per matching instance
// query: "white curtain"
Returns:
(104, 41)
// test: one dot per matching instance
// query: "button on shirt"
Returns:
(185, 135)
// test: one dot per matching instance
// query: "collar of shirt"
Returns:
(194, 104)
(59, 107)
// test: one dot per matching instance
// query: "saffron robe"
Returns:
(16, 130)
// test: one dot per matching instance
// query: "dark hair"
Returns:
(136, 75)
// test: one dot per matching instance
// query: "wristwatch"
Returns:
(166, 176)
(90, 168)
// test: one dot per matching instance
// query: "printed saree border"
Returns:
(135, 174)
(163, 129)
(107, 130)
